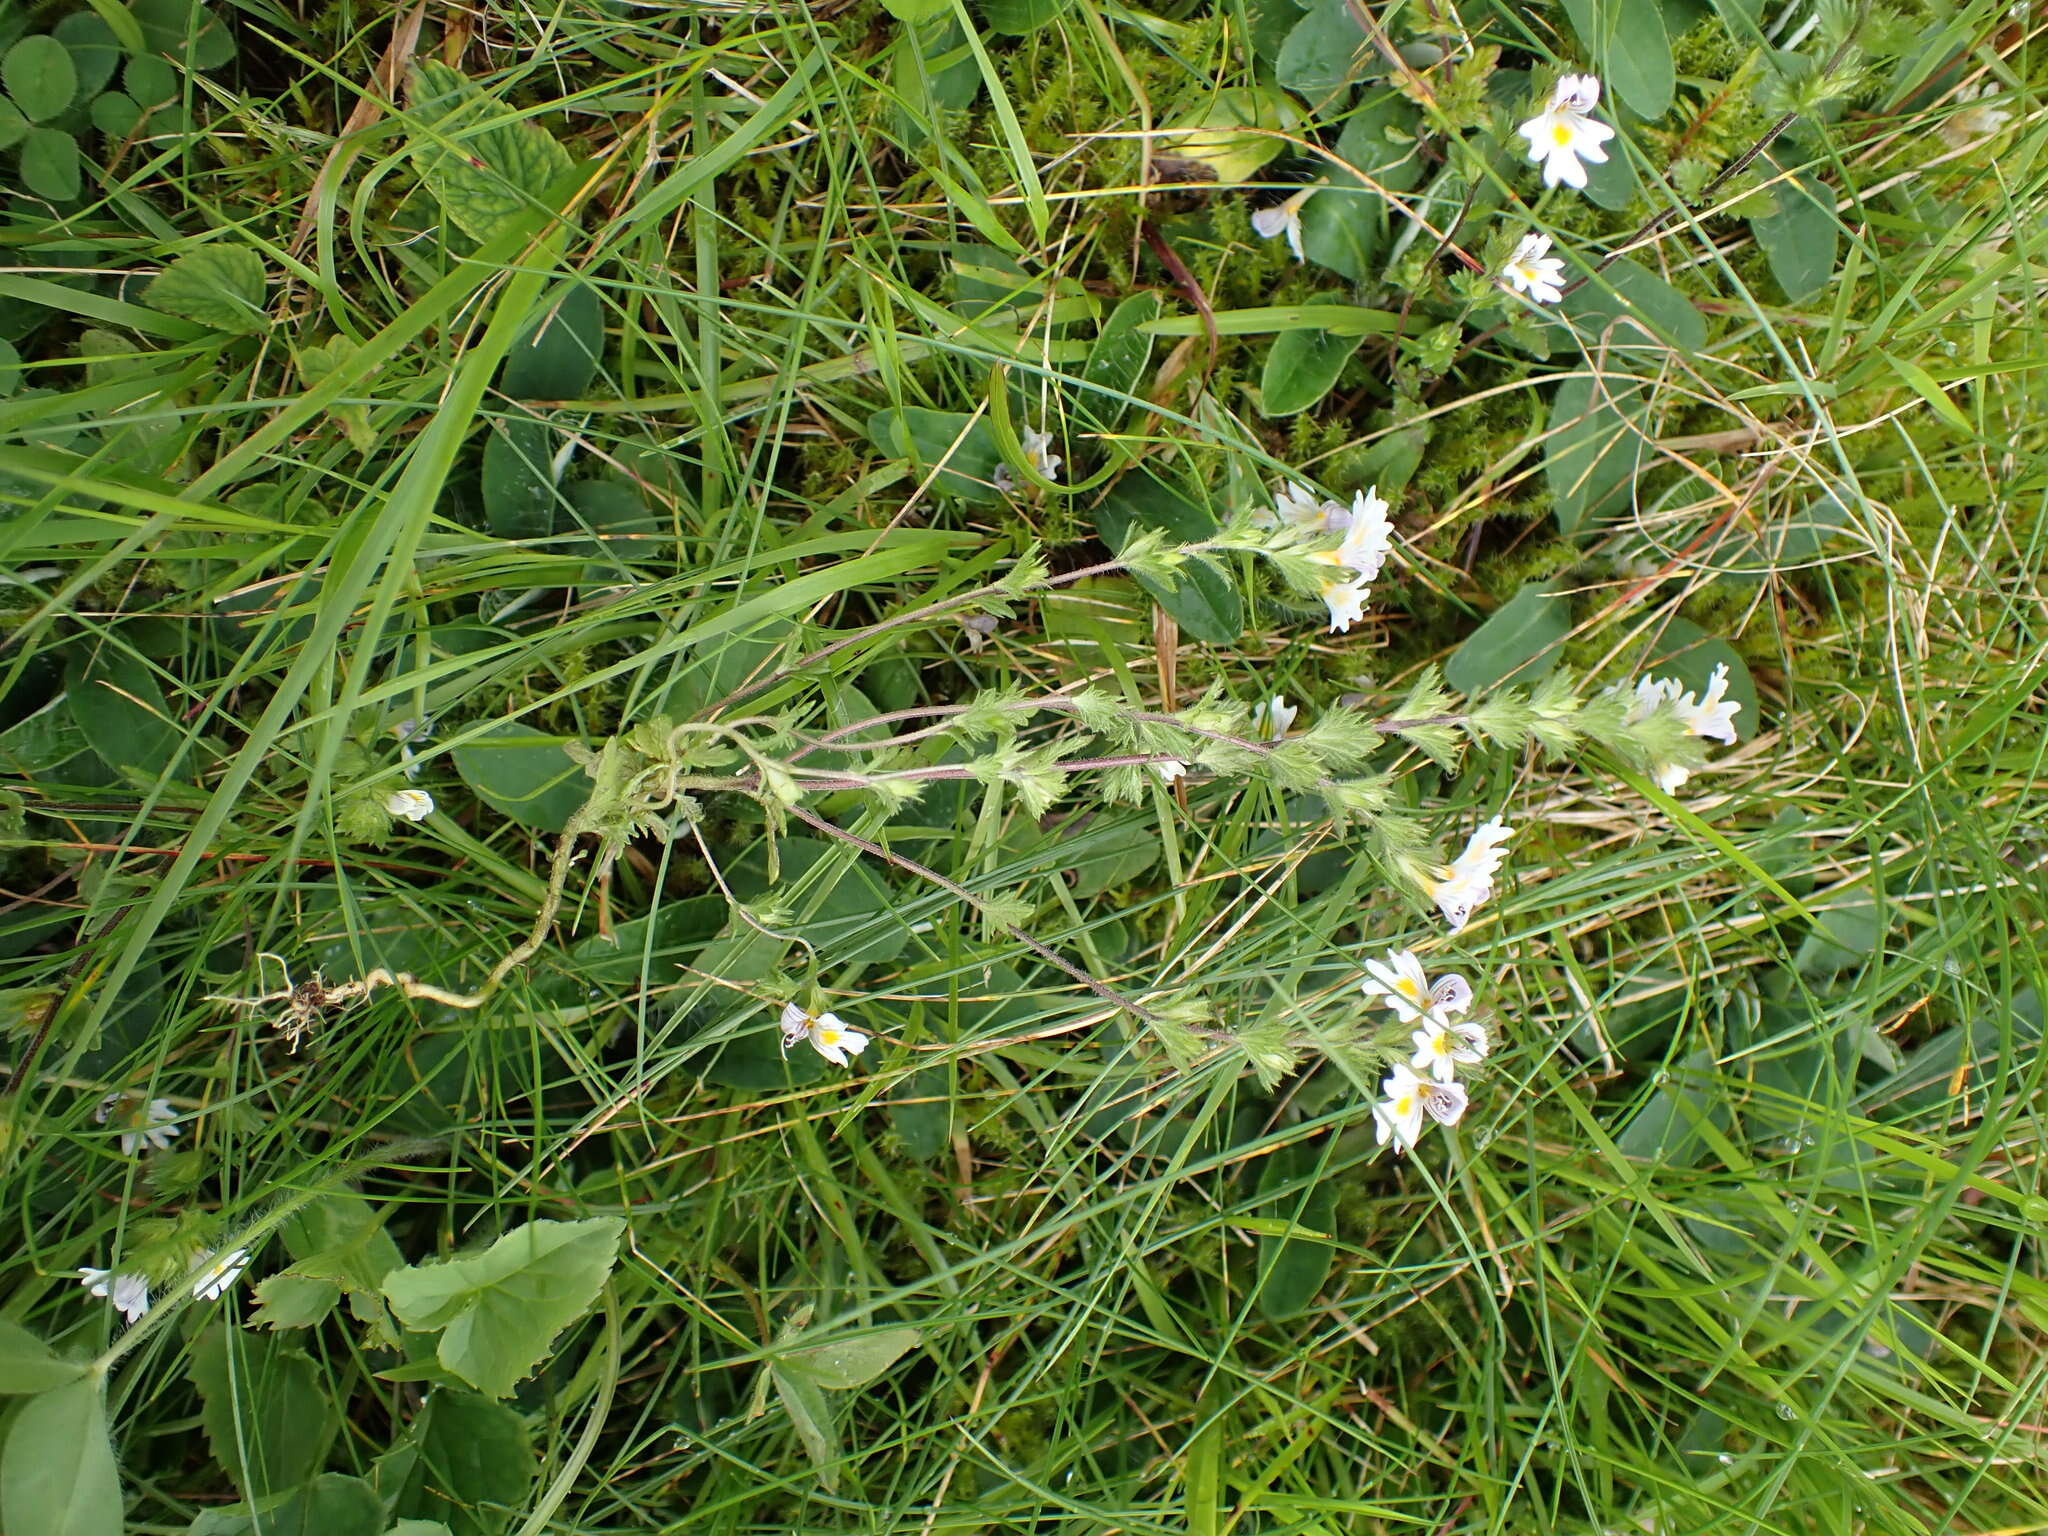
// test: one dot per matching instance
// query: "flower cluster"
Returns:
(1710, 717)
(130, 1292)
(1425, 1087)
(1563, 138)
(1365, 537)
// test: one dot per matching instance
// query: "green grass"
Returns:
(1740, 1232)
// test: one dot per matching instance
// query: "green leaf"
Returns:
(468, 1461)
(293, 1301)
(1201, 599)
(28, 1365)
(218, 286)
(13, 126)
(50, 164)
(558, 353)
(1626, 310)
(1519, 643)
(852, 1362)
(1019, 17)
(915, 11)
(1595, 447)
(115, 114)
(1666, 1129)
(518, 477)
(115, 699)
(1323, 51)
(927, 438)
(1213, 140)
(95, 50)
(811, 1414)
(845, 911)
(498, 1311)
(1344, 226)
(150, 81)
(484, 167)
(330, 1505)
(1294, 1266)
(44, 742)
(524, 774)
(185, 29)
(40, 77)
(57, 1474)
(1117, 361)
(1799, 236)
(1301, 368)
(268, 1416)
(419, 1528)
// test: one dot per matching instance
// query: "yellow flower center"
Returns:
(1405, 1104)
(1561, 133)
(828, 1037)
(1441, 1045)
(1405, 985)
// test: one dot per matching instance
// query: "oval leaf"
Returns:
(519, 479)
(1594, 448)
(558, 353)
(57, 1475)
(40, 77)
(50, 164)
(28, 1365)
(484, 166)
(218, 286)
(1302, 368)
(848, 1363)
(1117, 362)
(524, 774)
(1202, 600)
(1519, 643)
(267, 1418)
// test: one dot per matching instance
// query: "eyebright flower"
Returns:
(1296, 506)
(409, 731)
(1710, 717)
(1366, 539)
(1459, 890)
(129, 1293)
(1534, 271)
(409, 804)
(1285, 218)
(1170, 768)
(152, 1126)
(1396, 980)
(1978, 119)
(1565, 133)
(1406, 1098)
(1442, 1046)
(1272, 718)
(1039, 455)
(1346, 602)
(830, 1036)
(219, 1277)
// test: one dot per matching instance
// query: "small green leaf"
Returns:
(57, 1473)
(94, 50)
(1344, 227)
(1019, 17)
(1212, 140)
(294, 1301)
(330, 1505)
(217, 286)
(1519, 643)
(1324, 52)
(115, 114)
(50, 165)
(268, 1418)
(811, 1415)
(1595, 447)
(44, 742)
(558, 353)
(28, 1365)
(40, 77)
(518, 478)
(524, 774)
(185, 29)
(484, 166)
(852, 1362)
(1301, 368)
(1294, 1266)
(1117, 361)
(150, 80)
(927, 438)
(13, 126)
(1628, 310)
(915, 11)
(419, 1528)
(117, 703)
(498, 1311)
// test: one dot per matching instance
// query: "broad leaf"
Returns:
(484, 166)
(40, 77)
(467, 1462)
(1019, 17)
(27, 1364)
(916, 10)
(1517, 644)
(1294, 1266)
(556, 357)
(293, 1301)
(117, 703)
(851, 1362)
(331, 1505)
(1324, 51)
(1301, 368)
(268, 1416)
(1800, 236)
(1344, 227)
(498, 1311)
(217, 286)
(57, 1474)
(1595, 447)
(44, 742)
(966, 447)
(1117, 361)
(1201, 599)
(95, 50)
(1626, 310)
(518, 477)
(50, 165)
(524, 774)
(811, 1414)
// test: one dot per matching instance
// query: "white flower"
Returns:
(1978, 119)
(152, 1127)
(1272, 717)
(1445, 1103)
(1396, 980)
(830, 1036)
(1398, 1115)
(129, 1293)
(1534, 271)
(409, 804)
(1670, 777)
(1346, 602)
(1459, 890)
(1039, 455)
(1169, 769)
(1299, 507)
(1368, 536)
(1441, 1047)
(1713, 717)
(1285, 218)
(1565, 133)
(215, 1280)
(409, 731)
